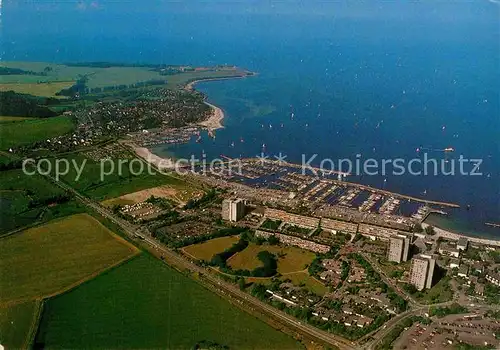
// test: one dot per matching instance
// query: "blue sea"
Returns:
(383, 80)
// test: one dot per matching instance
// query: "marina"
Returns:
(323, 195)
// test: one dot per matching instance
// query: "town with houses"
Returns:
(373, 274)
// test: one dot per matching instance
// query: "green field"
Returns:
(32, 130)
(13, 119)
(290, 259)
(97, 77)
(117, 183)
(37, 89)
(145, 304)
(22, 199)
(47, 259)
(16, 324)
(103, 77)
(206, 250)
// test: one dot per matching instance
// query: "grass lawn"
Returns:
(48, 259)
(439, 293)
(32, 130)
(290, 259)
(271, 224)
(206, 250)
(16, 322)
(145, 304)
(37, 89)
(303, 278)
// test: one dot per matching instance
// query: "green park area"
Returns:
(206, 250)
(292, 262)
(160, 308)
(290, 259)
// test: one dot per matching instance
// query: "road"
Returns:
(387, 281)
(134, 232)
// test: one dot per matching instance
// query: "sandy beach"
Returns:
(455, 236)
(214, 122)
(153, 159)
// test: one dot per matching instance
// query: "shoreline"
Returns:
(190, 86)
(213, 122)
(149, 157)
(456, 236)
(169, 164)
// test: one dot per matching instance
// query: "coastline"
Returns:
(152, 159)
(213, 122)
(456, 236)
(169, 164)
(190, 86)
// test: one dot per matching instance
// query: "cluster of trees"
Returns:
(493, 314)
(79, 87)
(107, 64)
(208, 197)
(121, 87)
(373, 277)
(269, 267)
(11, 164)
(54, 199)
(162, 202)
(173, 70)
(220, 259)
(174, 242)
(19, 71)
(316, 267)
(430, 230)
(170, 217)
(23, 105)
(371, 274)
(346, 267)
(448, 310)
(269, 262)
